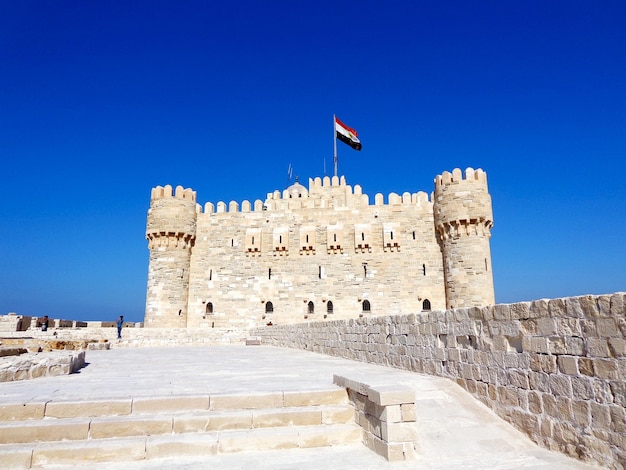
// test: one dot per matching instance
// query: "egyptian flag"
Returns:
(347, 135)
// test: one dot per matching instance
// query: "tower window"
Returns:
(307, 239)
(280, 238)
(269, 307)
(413, 234)
(366, 306)
(426, 304)
(311, 307)
(319, 272)
(269, 273)
(391, 234)
(334, 237)
(486, 267)
(210, 275)
(362, 236)
(424, 269)
(232, 242)
(253, 240)
(329, 307)
(209, 308)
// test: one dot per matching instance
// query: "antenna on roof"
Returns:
(289, 174)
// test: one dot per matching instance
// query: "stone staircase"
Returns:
(34, 435)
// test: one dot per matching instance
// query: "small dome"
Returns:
(297, 190)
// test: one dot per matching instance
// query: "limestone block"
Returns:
(400, 451)
(109, 450)
(391, 395)
(251, 401)
(43, 431)
(181, 446)
(197, 422)
(73, 409)
(338, 414)
(585, 366)
(175, 403)
(556, 345)
(582, 388)
(257, 439)
(618, 418)
(568, 365)
(617, 347)
(334, 435)
(607, 327)
(391, 414)
(394, 452)
(574, 345)
(397, 432)
(211, 421)
(606, 369)
(102, 428)
(286, 417)
(21, 411)
(600, 415)
(315, 397)
(561, 385)
(580, 412)
(14, 457)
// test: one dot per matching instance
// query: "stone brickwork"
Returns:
(556, 369)
(13, 322)
(33, 365)
(324, 252)
(387, 415)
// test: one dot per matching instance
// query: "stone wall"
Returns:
(556, 369)
(131, 337)
(14, 322)
(33, 365)
(327, 251)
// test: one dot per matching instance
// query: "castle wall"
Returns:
(322, 252)
(556, 369)
(315, 249)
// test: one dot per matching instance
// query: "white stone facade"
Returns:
(319, 253)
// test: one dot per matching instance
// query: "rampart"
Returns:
(556, 369)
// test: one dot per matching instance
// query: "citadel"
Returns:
(404, 283)
(326, 252)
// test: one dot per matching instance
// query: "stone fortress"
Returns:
(406, 284)
(325, 252)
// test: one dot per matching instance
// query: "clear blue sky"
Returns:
(102, 100)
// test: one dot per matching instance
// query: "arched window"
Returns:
(329, 307)
(426, 304)
(269, 307)
(209, 308)
(311, 307)
(366, 306)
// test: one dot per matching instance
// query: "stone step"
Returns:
(163, 423)
(34, 455)
(169, 404)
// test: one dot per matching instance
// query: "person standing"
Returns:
(44, 323)
(120, 323)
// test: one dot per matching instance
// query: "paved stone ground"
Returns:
(455, 431)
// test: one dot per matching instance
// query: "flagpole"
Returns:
(335, 142)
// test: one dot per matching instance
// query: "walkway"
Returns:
(455, 430)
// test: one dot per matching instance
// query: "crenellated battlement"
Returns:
(161, 192)
(478, 177)
(319, 196)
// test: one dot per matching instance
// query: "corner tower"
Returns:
(171, 234)
(463, 220)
